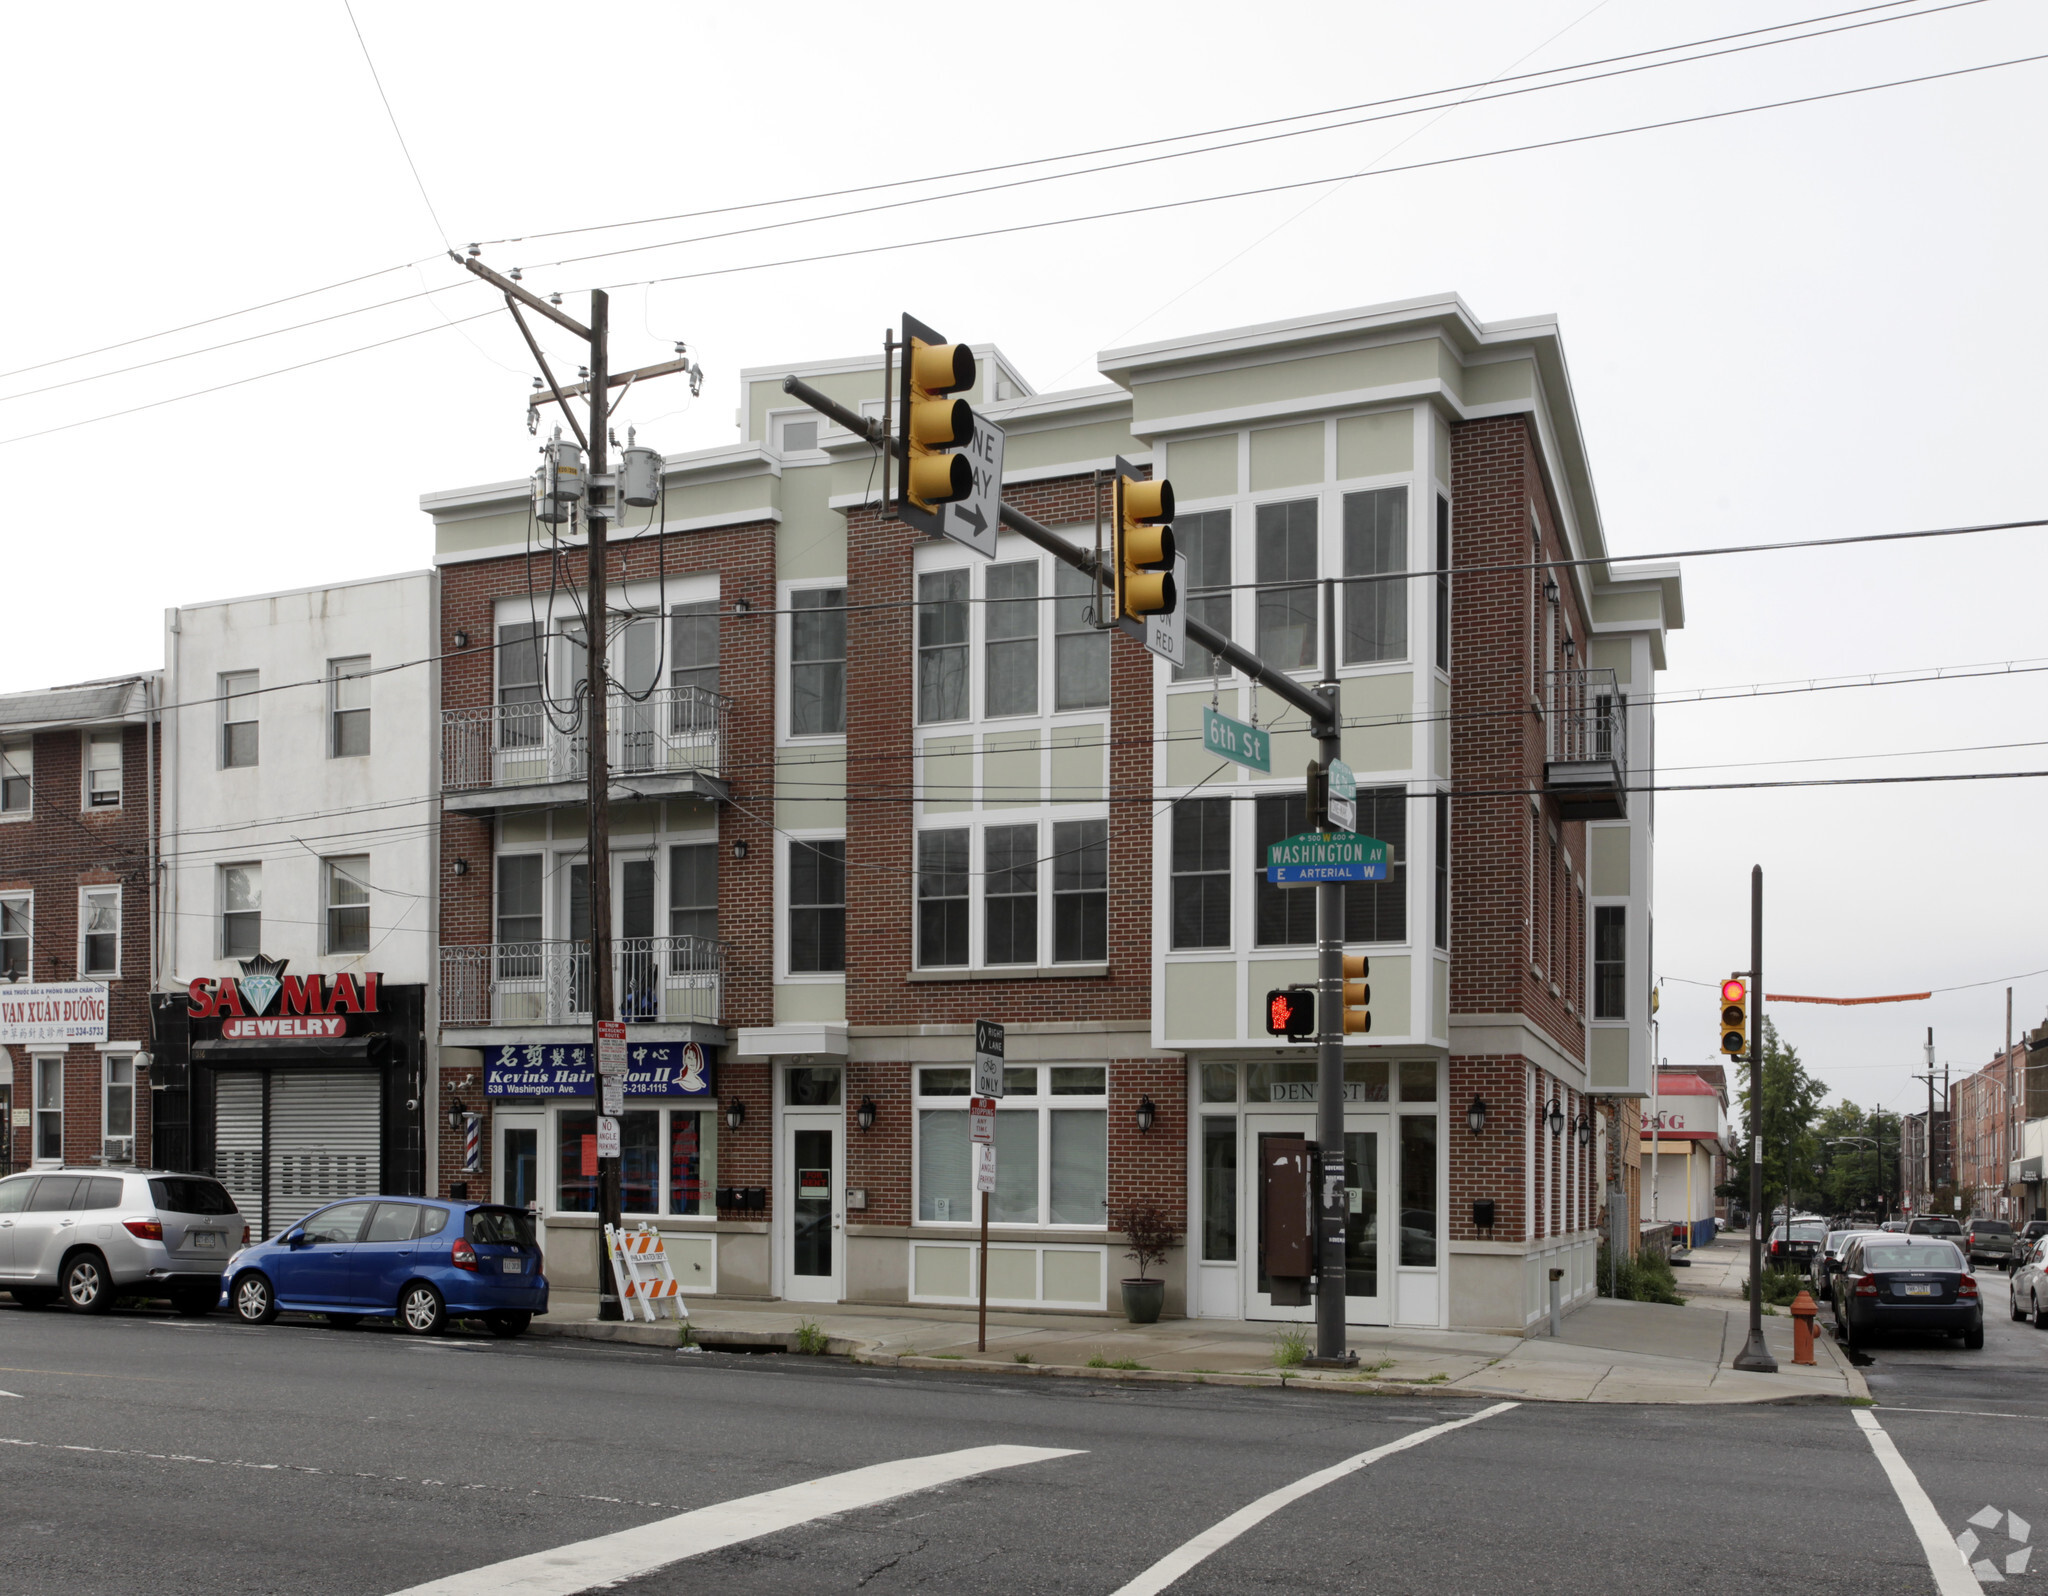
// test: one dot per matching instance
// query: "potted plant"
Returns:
(1150, 1234)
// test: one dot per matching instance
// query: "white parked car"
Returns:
(87, 1236)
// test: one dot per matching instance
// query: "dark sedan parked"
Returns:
(1792, 1247)
(1906, 1283)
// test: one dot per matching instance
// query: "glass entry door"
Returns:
(1367, 1273)
(808, 1204)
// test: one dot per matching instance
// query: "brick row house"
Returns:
(869, 788)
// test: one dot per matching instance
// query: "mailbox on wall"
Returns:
(1287, 1253)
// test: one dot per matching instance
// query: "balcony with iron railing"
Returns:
(669, 744)
(1585, 756)
(675, 980)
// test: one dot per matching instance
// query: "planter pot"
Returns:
(1143, 1299)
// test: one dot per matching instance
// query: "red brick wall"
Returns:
(61, 848)
(1488, 1165)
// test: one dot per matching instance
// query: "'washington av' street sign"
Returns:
(1304, 860)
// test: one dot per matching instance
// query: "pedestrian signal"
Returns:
(1291, 1012)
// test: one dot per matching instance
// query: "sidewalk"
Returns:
(1609, 1352)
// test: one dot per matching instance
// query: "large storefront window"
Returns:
(1052, 1147)
(639, 1161)
(1219, 1190)
(1418, 1189)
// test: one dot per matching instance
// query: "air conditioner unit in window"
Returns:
(118, 1150)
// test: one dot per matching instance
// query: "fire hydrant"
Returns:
(1804, 1311)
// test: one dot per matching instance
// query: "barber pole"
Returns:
(472, 1143)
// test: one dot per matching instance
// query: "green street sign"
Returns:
(1313, 856)
(1233, 739)
(1343, 796)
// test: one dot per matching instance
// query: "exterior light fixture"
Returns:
(1475, 1116)
(867, 1113)
(735, 1114)
(456, 1113)
(740, 606)
(1146, 1111)
(739, 848)
(1550, 588)
(1556, 1118)
(460, 867)
(462, 639)
(1585, 1130)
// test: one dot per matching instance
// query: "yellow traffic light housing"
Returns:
(1734, 1017)
(1141, 548)
(933, 424)
(1357, 994)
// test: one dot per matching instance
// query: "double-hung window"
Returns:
(693, 890)
(1010, 892)
(1443, 583)
(817, 662)
(117, 1109)
(1204, 538)
(1443, 870)
(942, 646)
(1201, 873)
(1080, 649)
(1080, 891)
(519, 952)
(17, 775)
(1610, 961)
(1376, 546)
(1010, 653)
(237, 719)
(1052, 1147)
(1285, 539)
(17, 921)
(49, 1136)
(693, 647)
(99, 931)
(347, 887)
(817, 906)
(348, 690)
(942, 898)
(241, 911)
(519, 684)
(103, 769)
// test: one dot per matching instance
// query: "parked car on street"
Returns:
(88, 1236)
(1793, 1246)
(1933, 1225)
(415, 1259)
(2029, 1293)
(2023, 1242)
(1829, 1258)
(1909, 1282)
(1987, 1240)
(1896, 1227)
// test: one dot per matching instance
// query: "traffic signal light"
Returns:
(1291, 1012)
(1141, 548)
(1357, 993)
(1734, 1016)
(933, 424)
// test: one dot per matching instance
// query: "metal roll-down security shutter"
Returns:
(238, 1140)
(325, 1139)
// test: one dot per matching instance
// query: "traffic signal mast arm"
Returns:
(1310, 702)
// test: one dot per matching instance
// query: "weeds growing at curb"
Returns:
(1290, 1348)
(953, 1356)
(1646, 1277)
(810, 1340)
(1020, 1357)
(1781, 1286)
(1434, 1379)
(1101, 1362)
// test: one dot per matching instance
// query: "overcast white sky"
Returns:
(1805, 322)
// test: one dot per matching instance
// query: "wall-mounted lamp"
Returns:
(739, 848)
(1475, 1116)
(1571, 650)
(866, 1113)
(1146, 1112)
(741, 607)
(456, 1113)
(735, 1114)
(462, 639)
(1550, 589)
(460, 867)
(1556, 1119)
(1585, 1130)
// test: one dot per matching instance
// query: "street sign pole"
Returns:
(1755, 1355)
(1330, 1204)
(988, 1087)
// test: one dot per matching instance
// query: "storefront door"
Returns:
(1368, 1268)
(808, 1207)
(516, 1171)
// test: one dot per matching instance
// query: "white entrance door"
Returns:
(810, 1212)
(1368, 1267)
(516, 1170)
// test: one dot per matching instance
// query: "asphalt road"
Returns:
(143, 1453)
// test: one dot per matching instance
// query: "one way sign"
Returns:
(974, 520)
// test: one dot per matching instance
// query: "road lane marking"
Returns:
(1952, 1576)
(1971, 1413)
(1178, 1561)
(609, 1559)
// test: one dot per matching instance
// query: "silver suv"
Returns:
(91, 1235)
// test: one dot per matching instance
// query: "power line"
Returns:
(397, 131)
(1218, 132)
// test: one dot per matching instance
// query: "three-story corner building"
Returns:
(869, 788)
(78, 779)
(297, 936)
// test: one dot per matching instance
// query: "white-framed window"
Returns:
(17, 936)
(103, 769)
(345, 884)
(1201, 872)
(1204, 537)
(942, 673)
(48, 1141)
(693, 889)
(1610, 961)
(668, 1160)
(1010, 894)
(238, 725)
(1080, 647)
(795, 431)
(984, 649)
(1375, 545)
(117, 1108)
(241, 911)
(1010, 647)
(817, 662)
(816, 935)
(521, 651)
(348, 707)
(17, 775)
(991, 915)
(1285, 541)
(1374, 911)
(1052, 1146)
(99, 931)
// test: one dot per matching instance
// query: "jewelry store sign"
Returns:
(33, 1012)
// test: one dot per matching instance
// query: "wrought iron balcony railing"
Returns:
(1585, 756)
(659, 980)
(673, 731)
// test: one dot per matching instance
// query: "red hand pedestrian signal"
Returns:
(1291, 1012)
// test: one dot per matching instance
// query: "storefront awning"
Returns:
(216, 1054)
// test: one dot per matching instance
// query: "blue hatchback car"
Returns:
(417, 1260)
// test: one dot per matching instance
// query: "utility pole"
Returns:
(1754, 1354)
(1331, 1216)
(2009, 1144)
